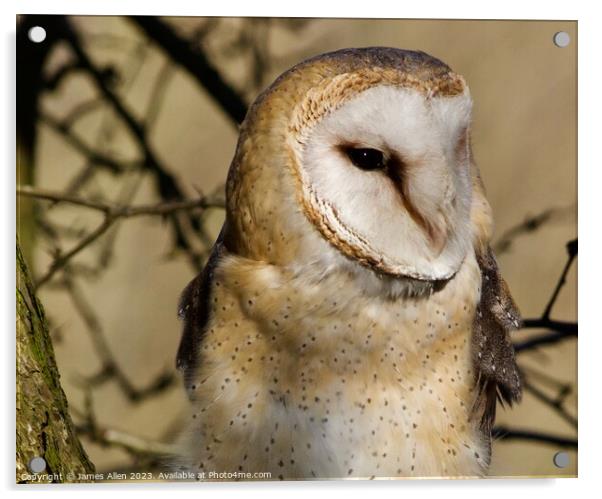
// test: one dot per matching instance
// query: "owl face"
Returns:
(386, 178)
(366, 151)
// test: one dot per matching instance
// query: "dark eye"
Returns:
(366, 159)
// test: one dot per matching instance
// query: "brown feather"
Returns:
(194, 311)
(498, 377)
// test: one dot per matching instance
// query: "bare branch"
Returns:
(111, 213)
(81, 110)
(506, 433)
(167, 185)
(53, 81)
(110, 369)
(158, 93)
(545, 339)
(111, 437)
(571, 248)
(547, 380)
(560, 330)
(61, 260)
(197, 64)
(79, 145)
(131, 443)
(108, 127)
(528, 225)
(555, 403)
(123, 211)
(557, 331)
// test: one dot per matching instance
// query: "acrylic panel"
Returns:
(364, 268)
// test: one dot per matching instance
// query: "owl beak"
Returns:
(434, 226)
(435, 230)
(415, 190)
(438, 235)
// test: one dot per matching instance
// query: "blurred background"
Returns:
(116, 112)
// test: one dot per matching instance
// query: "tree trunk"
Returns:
(44, 427)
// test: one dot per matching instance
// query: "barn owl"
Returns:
(351, 320)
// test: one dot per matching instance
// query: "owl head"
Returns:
(359, 160)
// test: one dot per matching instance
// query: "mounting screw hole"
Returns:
(562, 39)
(561, 459)
(37, 34)
(37, 465)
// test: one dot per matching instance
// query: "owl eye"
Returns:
(366, 159)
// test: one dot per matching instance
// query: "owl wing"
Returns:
(194, 310)
(497, 373)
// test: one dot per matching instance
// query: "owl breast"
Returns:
(304, 380)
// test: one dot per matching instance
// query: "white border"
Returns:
(512, 9)
(590, 183)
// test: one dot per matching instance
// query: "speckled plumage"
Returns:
(312, 350)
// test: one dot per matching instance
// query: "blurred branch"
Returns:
(81, 110)
(111, 213)
(556, 403)
(158, 93)
(252, 42)
(127, 192)
(79, 145)
(547, 338)
(110, 121)
(110, 368)
(507, 433)
(166, 183)
(194, 60)
(110, 437)
(168, 186)
(130, 443)
(546, 379)
(53, 81)
(123, 211)
(61, 259)
(559, 330)
(528, 225)
(571, 248)
(183, 223)
(205, 28)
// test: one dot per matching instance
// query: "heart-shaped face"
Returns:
(385, 173)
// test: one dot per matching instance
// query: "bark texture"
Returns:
(44, 427)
